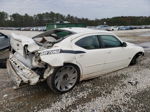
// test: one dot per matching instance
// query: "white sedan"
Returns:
(66, 56)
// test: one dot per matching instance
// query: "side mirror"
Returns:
(124, 44)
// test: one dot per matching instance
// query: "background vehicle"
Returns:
(125, 28)
(107, 28)
(66, 56)
(103, 27)
(4, 49)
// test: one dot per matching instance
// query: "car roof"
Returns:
(84, 30)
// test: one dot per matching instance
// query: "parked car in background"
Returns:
(125, 28)
(4, 49)
(114, 28)
(107, 28)
(103, 27)
(66, 56)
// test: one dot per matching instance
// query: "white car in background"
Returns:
(103, 27)
(107, 28)
(66, 56)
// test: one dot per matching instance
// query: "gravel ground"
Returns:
(126, 90)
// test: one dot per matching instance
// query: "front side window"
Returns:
(90, 42)
(110, 41)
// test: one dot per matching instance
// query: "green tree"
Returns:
(3, 18)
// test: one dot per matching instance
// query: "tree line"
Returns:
(18, 20)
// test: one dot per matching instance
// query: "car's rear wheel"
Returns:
(63, 79)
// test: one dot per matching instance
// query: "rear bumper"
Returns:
(19, 73)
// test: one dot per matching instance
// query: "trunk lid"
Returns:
(18, 43)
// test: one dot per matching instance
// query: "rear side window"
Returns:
(110, 41)
(90, 42)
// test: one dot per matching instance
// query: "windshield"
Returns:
(51, 37)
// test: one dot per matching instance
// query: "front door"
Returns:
(118, 55)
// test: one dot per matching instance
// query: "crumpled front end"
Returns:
(19, 73)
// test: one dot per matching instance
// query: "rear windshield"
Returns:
(51, 37)
(57, 34)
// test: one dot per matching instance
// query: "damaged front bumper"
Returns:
(19, 73)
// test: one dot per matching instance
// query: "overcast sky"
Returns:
(81, 8)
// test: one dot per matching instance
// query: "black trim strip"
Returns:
(72, 51)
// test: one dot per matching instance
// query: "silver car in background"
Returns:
(4, 49)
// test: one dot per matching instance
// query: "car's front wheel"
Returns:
(63, 79)
(136, 59)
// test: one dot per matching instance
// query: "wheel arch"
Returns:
(51, 77)
(136, 56)
(76, 66)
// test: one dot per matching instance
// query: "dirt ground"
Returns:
(126, 90)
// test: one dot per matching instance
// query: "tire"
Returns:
(135, 59)
(63, 79)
